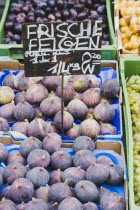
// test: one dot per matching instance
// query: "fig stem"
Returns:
(43, 156)
(18, 186)
(79, 167)
(40, 115)
(33, 199)
(41, 169)
(26, 121)
(61, 153)
(14, 166)
(55, 204)
(48, 135)
(22, 101)
(92, 163)
(3, 199)
(58, 169)
(53, 100)
(66, 181)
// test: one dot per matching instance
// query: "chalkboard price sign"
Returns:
(62, 48)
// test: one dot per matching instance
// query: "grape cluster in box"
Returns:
(36, 104)
(65, 170)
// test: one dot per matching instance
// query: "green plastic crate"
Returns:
(129, 65)
(15, 50)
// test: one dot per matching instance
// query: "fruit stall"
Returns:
(70, 104)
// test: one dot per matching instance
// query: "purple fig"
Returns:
(23, 190)
(53, 206)
(102, 191)
(83, 142)
(59, 191)
(51, 83)
(55, 177)
(116, 175)
(79, 82)
(74, 132)
(38, 128)
(110, 88)
(90, 206)
(104, 160)
(42, 193)
(9, 80)
(74, 175)
(77, 109)
(86, 191)
(107, 128)
(6, 192)
(21, 127)
(38, 158)
(50, 106)
(1, 180)
(91, 97)
(36, 93)
(104, 112)
(115, 201)
(67, 120)
(68, 93)
(7, 111)
(97, 173)
(3, 153)
(83, 158)
(39, 176)
(52, 143)
(29, 145)
(39, 114)
(61, 159)
(23, 110)
(21, 206)
(51, 127)
(6, 95)
(7, 204)
(20, 96)
(4, 126)
(36, 204)
(70, 203)
(90, 127)
(94, 82)
(15, 157)
(14, 171)
(21, 82)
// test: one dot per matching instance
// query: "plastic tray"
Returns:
(115, 157)
(105, 73)
(15, 50)
(129, 65)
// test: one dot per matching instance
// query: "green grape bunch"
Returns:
(133, 90)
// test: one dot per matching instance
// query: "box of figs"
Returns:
(43, 175)
(32, 105)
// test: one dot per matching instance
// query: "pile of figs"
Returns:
(41, 175)
(36, 105)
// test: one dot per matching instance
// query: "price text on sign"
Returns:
(62, 48)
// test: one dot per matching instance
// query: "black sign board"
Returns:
(62, 48)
